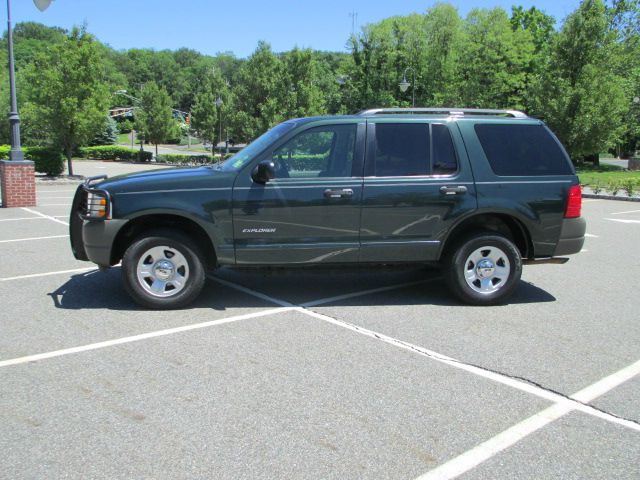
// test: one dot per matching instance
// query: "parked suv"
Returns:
(479, 192)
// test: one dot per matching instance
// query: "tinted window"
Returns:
(514, 150)
(401, 149)
(445, 161)
(319, 152)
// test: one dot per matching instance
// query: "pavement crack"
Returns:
(446, 359)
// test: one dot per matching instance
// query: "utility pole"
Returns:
(354, 21)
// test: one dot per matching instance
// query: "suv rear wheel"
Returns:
(163, 270)
(483, 268)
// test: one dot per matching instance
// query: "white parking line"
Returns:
(628, 211)
(44, 216)
(32, 238)
(48, 274)
(54, 204)
(488, 374)
(621, 220)
(589, 235)
(486, 450)
(346, 296)
(20, 219)
(137, 338)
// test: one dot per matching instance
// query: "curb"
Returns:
(611, 197)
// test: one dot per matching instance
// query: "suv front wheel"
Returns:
(483, 268)
(163, 270)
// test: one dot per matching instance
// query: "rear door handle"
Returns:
(338, 193)
(453, 190)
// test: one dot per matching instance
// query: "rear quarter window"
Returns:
(522, 150)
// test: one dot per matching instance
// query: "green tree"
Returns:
(206, 115)
(260, 94)
(68, 93)
(495, 61)
(580, 94)
(154, 117)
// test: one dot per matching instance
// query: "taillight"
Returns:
(574, 205)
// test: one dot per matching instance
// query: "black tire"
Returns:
(184, 278)
(482, 287)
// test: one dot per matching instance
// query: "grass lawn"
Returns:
(606, 174)
(124, 138)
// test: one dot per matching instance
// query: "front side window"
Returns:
(325, 151)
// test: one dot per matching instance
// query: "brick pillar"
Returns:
(18, 183)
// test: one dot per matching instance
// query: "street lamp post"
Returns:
(219, 103)
(404, 85)
(17, 176)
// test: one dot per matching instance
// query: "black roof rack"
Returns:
(447, 110)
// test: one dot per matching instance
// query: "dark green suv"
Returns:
(479, 192)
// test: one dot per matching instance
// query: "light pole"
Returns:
(404, 85)
(219, 103)
(21, 192)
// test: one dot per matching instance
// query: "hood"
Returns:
(168, 179)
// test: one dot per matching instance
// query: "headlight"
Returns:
(98, 207)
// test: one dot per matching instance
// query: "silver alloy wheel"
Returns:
(487, 270)
(163, 271)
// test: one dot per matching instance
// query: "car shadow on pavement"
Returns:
(104, 290)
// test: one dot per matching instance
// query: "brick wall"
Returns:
(17, 180)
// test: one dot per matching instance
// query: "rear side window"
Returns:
(412, 149)
(522, 150)
(402, 149)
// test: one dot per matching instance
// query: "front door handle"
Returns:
(338, 193)
(453, 190)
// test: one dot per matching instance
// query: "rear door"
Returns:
(309, 213)
(417, 183)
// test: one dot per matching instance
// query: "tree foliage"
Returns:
(154, 116)
(67, 93)
(579, 75)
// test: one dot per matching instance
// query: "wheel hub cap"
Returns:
(164, 269)
(486, 268)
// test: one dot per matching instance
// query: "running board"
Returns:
(541, 261)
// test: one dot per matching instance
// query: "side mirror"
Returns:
(264, 171)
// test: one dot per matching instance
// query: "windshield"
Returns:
(241, 158)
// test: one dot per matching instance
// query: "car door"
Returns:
(417, 183)
(310, 211)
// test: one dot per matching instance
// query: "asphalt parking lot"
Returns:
(372, 373)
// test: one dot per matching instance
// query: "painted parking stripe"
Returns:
(347, 296)
(589, 235)
(439, 357)
(622, 220)
(488, 374)
(509, 437)
(54, 204)
(48, 274)
(20, 219)
(45, 216)
(624, 213)
(33, 238)
(137, 338)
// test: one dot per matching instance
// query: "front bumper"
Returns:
(91, 240)
(98, 239)
(571, 236)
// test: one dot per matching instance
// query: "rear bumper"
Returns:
(571, 236)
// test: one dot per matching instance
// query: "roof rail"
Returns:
(449, 110)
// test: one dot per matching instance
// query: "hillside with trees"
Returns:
(579, 74)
